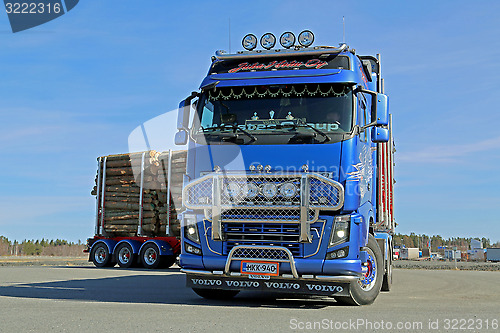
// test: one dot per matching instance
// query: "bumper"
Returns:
(316, 285)
(337, 267)
(302, 276)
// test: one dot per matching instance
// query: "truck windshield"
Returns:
(263, 113)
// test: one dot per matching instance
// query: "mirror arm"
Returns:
(373, 123)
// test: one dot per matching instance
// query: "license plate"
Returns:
(260, 268)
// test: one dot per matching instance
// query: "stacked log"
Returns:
(122, 204)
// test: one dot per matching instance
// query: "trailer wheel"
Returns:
(366, 289)
(125, 255)
(100, 256)
(216, 293)
(387, 283)
(150, 256)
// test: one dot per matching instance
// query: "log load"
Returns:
(121, 204)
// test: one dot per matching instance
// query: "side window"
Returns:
(207, 116)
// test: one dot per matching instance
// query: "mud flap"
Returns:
(298, 286)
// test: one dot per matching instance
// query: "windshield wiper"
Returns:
(302, 124)
(234, 128)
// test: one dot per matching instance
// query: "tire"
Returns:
(217, 294)
(150, 256)
(365, 290)
(167, 261)
(387, 281)
(125, 256)
(100, 256)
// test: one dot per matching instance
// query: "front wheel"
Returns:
(366, 289)
(216, 293)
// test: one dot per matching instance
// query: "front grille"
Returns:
(256, 253)
(271, 232)
(279, 215)
(268, 234)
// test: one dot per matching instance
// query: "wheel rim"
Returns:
(150, 256)
(124, 255)
(100, 255)
(368, 281)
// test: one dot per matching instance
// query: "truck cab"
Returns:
(288, 184)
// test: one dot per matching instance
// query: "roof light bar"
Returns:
(287, 40)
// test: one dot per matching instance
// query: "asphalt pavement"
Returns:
(87, 299)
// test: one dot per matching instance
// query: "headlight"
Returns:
(340, 231)
(269, 190)
(267, 41)
(190, 228)
(288, 190)
(232, 189)
(287, 39)
(306, 38)
(251, 190)
(249, 42)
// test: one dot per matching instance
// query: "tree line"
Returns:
(44, 247)
(436, 241)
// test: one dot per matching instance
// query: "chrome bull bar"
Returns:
(207, 193)
(261, 253)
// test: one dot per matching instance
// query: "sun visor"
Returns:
(281, 77)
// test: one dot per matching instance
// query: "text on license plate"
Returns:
(260, 268)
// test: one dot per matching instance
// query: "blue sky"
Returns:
(76, 87)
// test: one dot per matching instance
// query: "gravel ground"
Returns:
(44, 261)
(469, 266)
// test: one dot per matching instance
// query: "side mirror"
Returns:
(382, 111)
(380, 134)
(181, 137)
(183, 112)
(379, 110)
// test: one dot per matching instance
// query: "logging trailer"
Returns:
(137, 204)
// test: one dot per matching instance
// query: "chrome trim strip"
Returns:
(206, 238)
(320, 240)
(195, 271)
(339, 278)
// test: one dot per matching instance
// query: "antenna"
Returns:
(343, 24)
(229, 35)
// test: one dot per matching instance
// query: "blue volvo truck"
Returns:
(289, 179)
